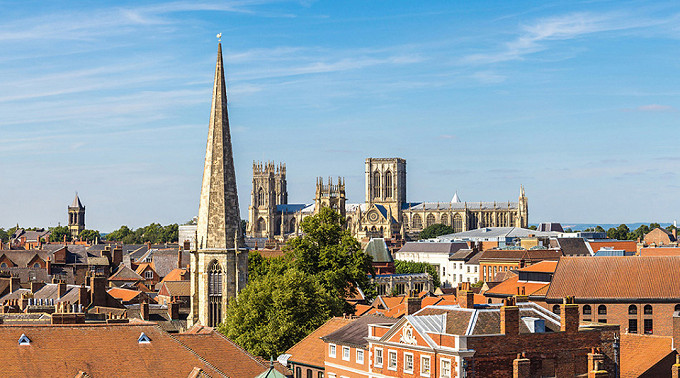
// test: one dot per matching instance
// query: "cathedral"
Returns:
(219, 261)
(385, 213)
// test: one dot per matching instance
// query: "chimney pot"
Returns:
(144, 310)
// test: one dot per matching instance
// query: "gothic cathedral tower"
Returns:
(76, 217)
(269, 190)
(219, 265)
(523, 209)
(386, 183)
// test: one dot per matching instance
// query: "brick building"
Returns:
(306, 358)
(495, 261)
(639, 293)
(660, 236)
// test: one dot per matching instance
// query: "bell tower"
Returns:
(76, 217)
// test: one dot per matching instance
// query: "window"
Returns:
(392, 360)
(649, 327)
(475, 269)
(331, 350)
(632, 325)
(677, 306)
(632, 310)
(425, 366)
(556, 309)
(602, 320)
(408, 362)
(587, 310)
(298, 372)
(360, 356)
(320, 375)
(378, 357)
(443, 271)
(36, 266)
(309, 373)
(345, 353)
(446, 368)
(468, 268)
(648, 310)
(602, 310)
(3, 265)
(148, 274)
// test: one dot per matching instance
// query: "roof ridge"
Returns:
(191, 350)
(310, 334)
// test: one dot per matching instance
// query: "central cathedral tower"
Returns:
(219, 265)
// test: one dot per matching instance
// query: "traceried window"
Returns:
(261, 225)
(430, 220)
(292, 226)
(417, 221)
(457, 223)
(214, 294)
(388, 184)
(445, 219)
(376, 184)
(260, 197)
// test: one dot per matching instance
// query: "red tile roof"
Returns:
(97, 350)
(639, 353)
(541, 266)
(124, 295)
(175, 275)
(510, 286)
(311, 349)
(617, 277)
(660, 251)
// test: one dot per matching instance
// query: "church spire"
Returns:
(218, 212)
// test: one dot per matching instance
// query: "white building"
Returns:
(451, 272)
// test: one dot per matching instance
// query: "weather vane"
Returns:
(219, 37)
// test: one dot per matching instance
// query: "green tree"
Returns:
(119, 234)
(274, 312)
(435, 230)
(89, 235)
(533, 227)
(4, 236)
(331, 253)
(599, 229)
(58, 234)
(409, 267)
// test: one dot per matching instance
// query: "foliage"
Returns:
(407, 267)
(153, 233)
(4, 235)
(477, 284)
(330, 252)
(620, 233)
(89, 235)
(276, 311)
(58, 234)
(533, 227)
(435, 230)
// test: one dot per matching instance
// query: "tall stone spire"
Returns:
(218, 212)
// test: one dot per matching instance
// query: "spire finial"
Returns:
(219, 37)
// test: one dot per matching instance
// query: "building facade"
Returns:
(219, 264)
(385, 212)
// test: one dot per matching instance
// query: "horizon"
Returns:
(576, 101)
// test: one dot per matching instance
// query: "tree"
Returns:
(4, 236)
(274, 312)
(89, 235)
(599, 229)
(533, 227)
(330, 252)
(58, 234)
(153, 233)
(435, 230)
(410, 267)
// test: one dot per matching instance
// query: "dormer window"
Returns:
(148, 274)
(24, 340)
(143, 339)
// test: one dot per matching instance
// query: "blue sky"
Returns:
(577, 101)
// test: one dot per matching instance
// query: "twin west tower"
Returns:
(219, 264)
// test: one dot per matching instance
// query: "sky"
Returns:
(579, 101)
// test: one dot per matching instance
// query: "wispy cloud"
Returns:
(447, 136)
(654, 108)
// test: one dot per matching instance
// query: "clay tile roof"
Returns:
(222, 353)
(429, 301)
(361, 309)
(510, 286)
(660, 251)
(124, 295)
(176, 288)
(311, 349)
(639, 353)
(354, 334)
(541, 266)
(175, 275)
(618, 277)
(98, 350)
(125, 274)
(142, 266)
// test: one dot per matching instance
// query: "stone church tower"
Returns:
(330, 195)
(269, 191)
(219, 265)
(76, 217)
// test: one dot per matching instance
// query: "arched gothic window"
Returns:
(417, 221)
(445, 219)
(457, 223)
(348, 223)
(292, 225)
(430, 220)
(261, 225)
(376, 184)
(388, 184)
(260, 197)
(214, 294)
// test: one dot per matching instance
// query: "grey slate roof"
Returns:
(354, 333)
(494, 233)
(463, 254)
(434, 247)
(76, 202)
(377, 249)
(290, 208)
(573, 246)
(165, 261)
(463, 205)
(124, 273)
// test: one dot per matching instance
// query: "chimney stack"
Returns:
(98, 290)
(61, 288)
(173, 310)
(14, 284)
(570, 315)
(35, 286)
(83, 297)
(144, 310)
(598, 371)
(117, 255)
(179, 258)
(465, 296)
(413, 305)
(675, 369)
(521, 366)
(509, 317)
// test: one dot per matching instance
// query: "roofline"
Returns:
(584, 300)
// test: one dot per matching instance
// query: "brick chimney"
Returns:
(106, 252)
(465, 296)
(675, 369)
(570, 315)
(14, 284)
(117, 255)
(521, 367)
(598, 371)
(179, 258)
(594, 357)
(509, 317)
(173, 310)
(144, 310)
(98, 290)
(48, 265)
(83, 296)
(413, 305)
(35, 286)
(61, 289)
(676, 330)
